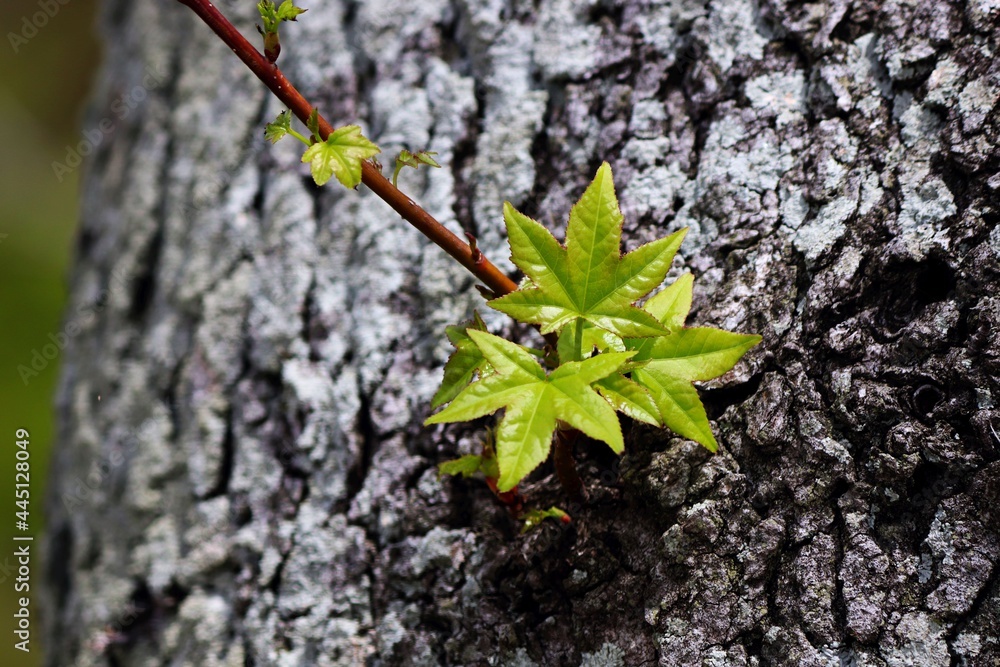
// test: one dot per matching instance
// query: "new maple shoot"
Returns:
(611, 354)
(534, 402)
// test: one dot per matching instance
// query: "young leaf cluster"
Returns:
(612, 354)
(340, 155)
(272, 17)
(408, 159)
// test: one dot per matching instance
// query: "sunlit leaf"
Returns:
(588, 278)
(534, 403)
(629, 398)
(340, 155)
(671, 363)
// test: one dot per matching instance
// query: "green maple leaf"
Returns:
(463, 364)
(279, 127)
(578, 340)
(340, 155)
(666, 366)
(535, 403)
(629, 398)
(588, 278)
(672, 305)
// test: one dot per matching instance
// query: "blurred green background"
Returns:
(47, 60)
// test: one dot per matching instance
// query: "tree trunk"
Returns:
(242, 475)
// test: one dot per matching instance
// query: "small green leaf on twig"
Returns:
(272, 17)
(279, 127)
(408, 159)
(289, 12)
(340, 155)
(532, 518)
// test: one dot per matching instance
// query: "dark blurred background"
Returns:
(47, 59)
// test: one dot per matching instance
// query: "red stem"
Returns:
(272, 77)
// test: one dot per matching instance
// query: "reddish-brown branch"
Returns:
(272, 77)
(467, 254)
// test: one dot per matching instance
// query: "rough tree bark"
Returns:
(242, 477)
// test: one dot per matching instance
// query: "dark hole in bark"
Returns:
(717, 400)
(908, 287)
(926, 397)
(931, 484)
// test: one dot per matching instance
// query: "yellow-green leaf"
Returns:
(463, 364)
(679, 406)
(629, 398)
(671, 363)
(279, 127)
(340, 155)
(534, 402)
(672, 305)
(697, 353)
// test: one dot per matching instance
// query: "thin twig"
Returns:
(467, 254)
(272, 77)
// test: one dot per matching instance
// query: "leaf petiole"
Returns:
(300, 137)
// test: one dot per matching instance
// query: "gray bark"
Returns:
(242, 477)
